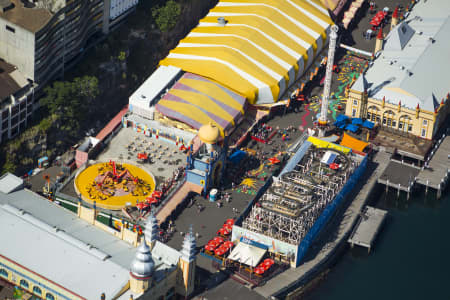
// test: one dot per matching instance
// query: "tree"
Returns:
(166, 16)
(69, 102)
(122, 56)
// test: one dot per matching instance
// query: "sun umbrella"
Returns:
(226, 231)
(227, 227)
(269, 260)
(213, 243)
(259, 270)
(228, 244)
(267, 263)
(218, 239)
(274, 160)
(209, 248)
(140, 205)
(230, 222)
(219, 251)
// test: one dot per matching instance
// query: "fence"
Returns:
(329, 211)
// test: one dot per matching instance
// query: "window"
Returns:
(353, 112)
(394, 124)
(355, 102)
(389, 122)
(49, 296)
(24, 284)
(425, 122)
(400, 125)
(378, 119)
(368, 116)
(423, 132)
(37, 290)
(3, 273)
(384, 120)
(409, 127)
(9, 28)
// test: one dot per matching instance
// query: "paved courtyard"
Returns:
(165, 156)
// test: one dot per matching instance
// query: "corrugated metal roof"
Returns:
(409, 72)
(10, 183)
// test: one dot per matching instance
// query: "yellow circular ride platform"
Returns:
(114, 185)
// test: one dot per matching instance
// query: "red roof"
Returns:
(395, 14)
(112, 124)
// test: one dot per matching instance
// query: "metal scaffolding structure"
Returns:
(289, 208)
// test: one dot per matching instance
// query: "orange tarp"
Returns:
(351, 142)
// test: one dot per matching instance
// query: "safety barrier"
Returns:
(329, 211)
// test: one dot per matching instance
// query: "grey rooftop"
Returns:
(411, 67)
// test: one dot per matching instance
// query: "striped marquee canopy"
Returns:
(195, 100)
(263, 47)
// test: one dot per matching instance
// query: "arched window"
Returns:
(37, 290)
(24, 283)
(3, 273)
(405, 123)
(49, 296)
(389, 119)
(373, 114)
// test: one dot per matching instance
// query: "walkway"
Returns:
(292, 278)
(176, 199)
(438, 167)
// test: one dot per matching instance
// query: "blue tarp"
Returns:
(368, 124)
(352, 128)
(237, 156)
(341, 118)
(342, 126)
(357, 121)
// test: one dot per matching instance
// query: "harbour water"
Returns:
(410, 260)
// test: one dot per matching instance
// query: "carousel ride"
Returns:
(113, 186)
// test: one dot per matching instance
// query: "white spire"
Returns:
(151, 228)
(188, 250)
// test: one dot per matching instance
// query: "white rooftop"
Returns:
(247, 254)
(53, 257)
(414, 55)
(10, 183)
(154, 86)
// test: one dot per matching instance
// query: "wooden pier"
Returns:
(435, 174)
(367, 228)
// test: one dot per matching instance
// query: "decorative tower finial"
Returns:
(394, 20)
(188, 250)
(379, 41)
(151, 230)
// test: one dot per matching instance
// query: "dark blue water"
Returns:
(411, 258)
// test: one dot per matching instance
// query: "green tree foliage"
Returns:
(166, 16)
(122, 56)
(69, 102)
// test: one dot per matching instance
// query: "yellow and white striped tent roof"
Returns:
(262, 49)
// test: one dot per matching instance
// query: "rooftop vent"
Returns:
(221, 21)
(432, 40)
(409, 72)
(143, 96)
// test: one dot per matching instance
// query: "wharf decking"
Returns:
(367, 228)
(436, 174)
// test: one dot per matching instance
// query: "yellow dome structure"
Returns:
(209, 133)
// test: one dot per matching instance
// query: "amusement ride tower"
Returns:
(323, 121)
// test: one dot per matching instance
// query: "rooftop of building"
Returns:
(11, 80)
(56, 232)
(406, 68)
(31, 16)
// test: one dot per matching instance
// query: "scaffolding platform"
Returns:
(367, 227)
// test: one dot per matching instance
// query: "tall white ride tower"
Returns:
(323, 121)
